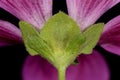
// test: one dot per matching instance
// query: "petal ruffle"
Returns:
(110, 39)
(9, 34)
(91, 67)
(86, 12)
(35, 12)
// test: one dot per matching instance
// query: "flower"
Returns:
(85, 13)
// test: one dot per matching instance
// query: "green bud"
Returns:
(60, 40)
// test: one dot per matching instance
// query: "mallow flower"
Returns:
(59, 39)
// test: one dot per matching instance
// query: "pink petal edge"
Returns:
(91, 67)
(36, 12)
(110, 39)
(86, 12)
(9, 34)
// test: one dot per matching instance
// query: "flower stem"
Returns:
(61, 73)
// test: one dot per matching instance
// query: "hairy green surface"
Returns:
(60, 41)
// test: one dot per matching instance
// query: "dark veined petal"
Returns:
(110, 39)
(91, 67)
(9, 34)
(35, 12)
(86, 12)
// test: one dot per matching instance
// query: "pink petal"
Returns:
(35, 12)
(110, 39)
(86, 12)
(9, 34)
(91, 67)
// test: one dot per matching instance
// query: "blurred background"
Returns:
(12, 57)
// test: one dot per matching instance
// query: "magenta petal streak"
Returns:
(110, 39)
(9, 34)
(86, 12)
(35, 12)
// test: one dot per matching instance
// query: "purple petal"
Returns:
(9, 34)
(86, 12)
(35, 12)
(110, 39)
(36, 68)
(91, 67)
(4, 43)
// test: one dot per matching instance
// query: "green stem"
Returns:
(61, 73)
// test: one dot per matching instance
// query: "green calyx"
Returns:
(60, 40)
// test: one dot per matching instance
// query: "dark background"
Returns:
(12, 57)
